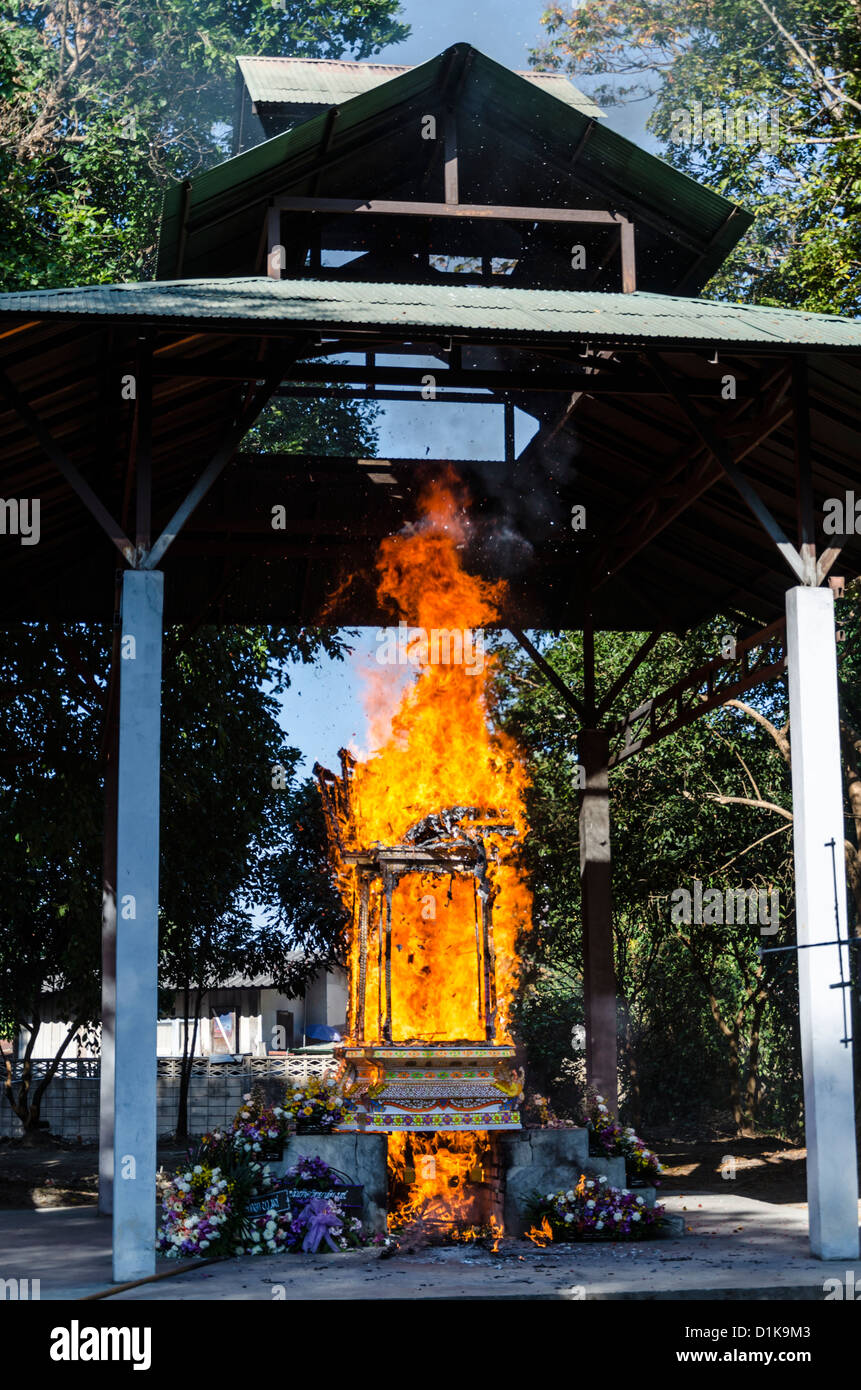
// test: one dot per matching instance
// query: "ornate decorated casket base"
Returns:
(415, 1087)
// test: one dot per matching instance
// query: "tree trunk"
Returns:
(27, 1103)
(187, 1063)
(732, 1036)
(752, 1087)
(735, 1082)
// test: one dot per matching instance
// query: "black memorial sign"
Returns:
(348, 1198)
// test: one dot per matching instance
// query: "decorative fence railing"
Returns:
(294, 1067)
(77, 1067)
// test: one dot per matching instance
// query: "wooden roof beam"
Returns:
(684, 482)
(625, 383)
(721, 451)
(216, 465)
(462, 211)
(704, 689)
(65, 466)
(547, 670)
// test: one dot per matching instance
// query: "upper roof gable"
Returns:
(299, 85)
(517, 145)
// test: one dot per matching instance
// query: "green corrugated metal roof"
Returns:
(497, 312)
(226, 204)
(328, 81)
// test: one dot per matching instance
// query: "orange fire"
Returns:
(440, 772)
(541, 1235)
(439, 1182)
(439, 754)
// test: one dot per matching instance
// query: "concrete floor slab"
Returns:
(68, 1249)
(735, 1248)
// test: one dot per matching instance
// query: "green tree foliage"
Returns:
(704, 1025)
(316, 425)
(223, 813)
(103, 102)
(50, 833)
(796, 64)
(301, 890)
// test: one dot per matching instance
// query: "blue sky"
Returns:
(503, 29)
(323, 709)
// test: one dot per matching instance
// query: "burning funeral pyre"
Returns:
(425, 835)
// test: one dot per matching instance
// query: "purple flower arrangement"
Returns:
(257, 1127)
(314, 1171)
(321, 1224)
(205, 1203)
(204, 1206)
(316, 1105)
(616, 1142)
(198, 1213)
(593, 1210)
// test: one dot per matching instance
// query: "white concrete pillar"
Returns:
(817, 798)
(135, 1037)
(599, 970)
(109, 980)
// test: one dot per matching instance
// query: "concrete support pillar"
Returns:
(135, 1069)
(820, 904)
(109, 929)
(109, 978)
(599, 973)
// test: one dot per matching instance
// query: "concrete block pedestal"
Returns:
(547, 1160)
(529, 1160)
(362, 1157)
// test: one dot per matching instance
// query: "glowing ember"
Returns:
(439, 1187)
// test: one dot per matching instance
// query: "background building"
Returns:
(243, 1017)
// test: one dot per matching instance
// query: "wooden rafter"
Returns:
(548, 672)
(63, 463)
(590, 383)
(216, 465)
(492, 212)
(756, 660)
(636, 661)
(721, 451)
(684, 482)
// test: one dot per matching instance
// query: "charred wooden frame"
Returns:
(388, 866)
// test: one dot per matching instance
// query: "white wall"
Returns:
(324, 1003)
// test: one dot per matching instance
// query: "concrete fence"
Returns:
(71, 1103)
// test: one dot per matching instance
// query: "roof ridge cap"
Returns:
(339, 62)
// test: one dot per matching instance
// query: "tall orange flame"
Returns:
(439, 963)
(439, 755)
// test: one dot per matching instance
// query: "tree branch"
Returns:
(808, 60)
(759, 805)
(779, 735)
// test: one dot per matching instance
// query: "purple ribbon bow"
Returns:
(319, 1218)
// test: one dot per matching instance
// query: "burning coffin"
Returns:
(428, 1044)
